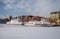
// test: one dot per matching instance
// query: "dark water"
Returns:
(23, 32)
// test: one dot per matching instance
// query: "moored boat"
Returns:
(40, 23)
(14, 21)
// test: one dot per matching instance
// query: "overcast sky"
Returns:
(28, 7)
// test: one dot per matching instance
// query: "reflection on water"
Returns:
(17, 32)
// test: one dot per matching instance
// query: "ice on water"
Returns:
(29, 32)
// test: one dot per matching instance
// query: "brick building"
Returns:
(30, 18)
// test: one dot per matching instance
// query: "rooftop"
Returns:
(55, 12)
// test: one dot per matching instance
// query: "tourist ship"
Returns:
(40, 23)
(14, 21)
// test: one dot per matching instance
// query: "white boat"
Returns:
(30, 23)
(14, 21)
(46, 23)
(41, 23)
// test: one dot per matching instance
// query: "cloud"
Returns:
(32, 7)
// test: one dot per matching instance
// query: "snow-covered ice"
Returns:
(29, 32)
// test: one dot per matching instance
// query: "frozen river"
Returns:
(18, 32)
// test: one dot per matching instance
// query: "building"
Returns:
(30, 18)
(55, 16)
(36, 18)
